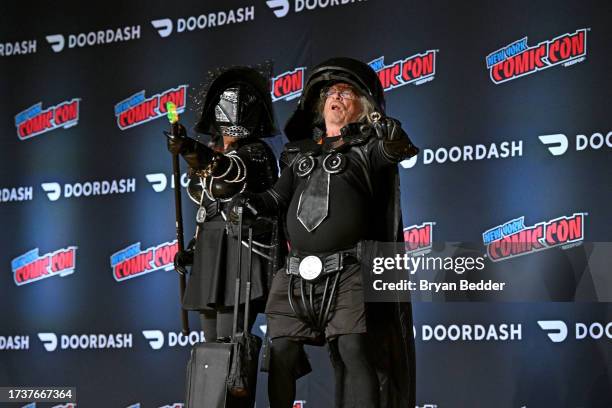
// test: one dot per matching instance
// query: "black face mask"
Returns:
(239, 111)
(236, 101)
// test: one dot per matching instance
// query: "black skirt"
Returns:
(212, 281)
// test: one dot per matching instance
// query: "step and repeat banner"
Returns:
(509, 103)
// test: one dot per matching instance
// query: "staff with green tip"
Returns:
(175, 132)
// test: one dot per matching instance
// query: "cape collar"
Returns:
(353, 134)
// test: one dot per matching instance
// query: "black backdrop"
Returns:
(72, 181)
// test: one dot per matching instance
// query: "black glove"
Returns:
(179, 143)
(249, 203)
(388, 129)
(195, 154)
(184, 258)
(396, 142)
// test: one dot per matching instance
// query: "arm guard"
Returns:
(252, 167)
(224, 177)
(200, 157)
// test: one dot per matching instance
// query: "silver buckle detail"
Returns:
(310, 267)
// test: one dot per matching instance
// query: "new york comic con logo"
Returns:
(35, 120)
(138, 109)
(31, 267)
(417, 69)
(132, 262)
(513, 238)
(418, 239)
(288, 85)
(518, 59)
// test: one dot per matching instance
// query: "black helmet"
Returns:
(356, 73)
(236, 101)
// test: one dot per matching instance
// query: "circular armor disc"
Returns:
(310, 267)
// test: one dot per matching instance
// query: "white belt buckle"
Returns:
(310, 267)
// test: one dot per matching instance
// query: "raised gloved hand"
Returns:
(179, 143)
(184, 258)
(388, 129)
(195, 154)
(396, 142)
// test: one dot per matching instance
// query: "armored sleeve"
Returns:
(198, 156)
(251, 168)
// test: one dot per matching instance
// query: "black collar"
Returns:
(353, 134)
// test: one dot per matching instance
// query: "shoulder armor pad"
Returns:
(286, 158)
(305, 146)
(293, 149)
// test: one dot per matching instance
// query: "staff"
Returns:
(176, 175)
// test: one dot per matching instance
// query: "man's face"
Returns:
(342, 105)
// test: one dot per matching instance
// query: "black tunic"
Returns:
(213, 275)
(351, 196)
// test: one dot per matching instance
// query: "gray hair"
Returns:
(367, 107)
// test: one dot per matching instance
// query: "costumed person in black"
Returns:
(339, 189)
(236, 112)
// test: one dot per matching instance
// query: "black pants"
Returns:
(355, 369)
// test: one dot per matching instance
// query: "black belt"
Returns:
(312, 267)
(309, 269)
